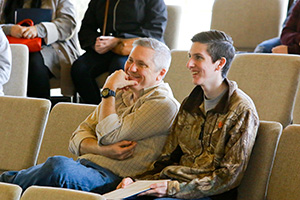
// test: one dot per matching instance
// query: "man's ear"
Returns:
(221, 63)
(161, 75)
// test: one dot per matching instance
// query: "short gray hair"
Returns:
(162, 55)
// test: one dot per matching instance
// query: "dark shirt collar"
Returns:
(195, 99)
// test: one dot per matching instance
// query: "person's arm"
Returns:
(5, 60)
(154, 23)
(62, 27)
(150, 117)
(84, 140)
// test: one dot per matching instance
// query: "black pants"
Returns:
(89, 66)
(38, 77)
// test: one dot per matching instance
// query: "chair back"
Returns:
(271, 80)
(255, 180)
(63, 120)
(178, 76)
(10, 191)
(285, 176)
(249, 22)
(172, 29)
(53, 193)
(22, 125)
(17, 83)
(296, 111)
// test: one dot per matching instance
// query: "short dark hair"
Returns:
(219, 45)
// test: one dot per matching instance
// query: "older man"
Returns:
(123, 135)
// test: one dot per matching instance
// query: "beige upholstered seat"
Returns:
(255, 181)
(249, 22)
(17, 84)
(172, 29)
(285, 177)
(22, 125)
(52, 193)
(296, 111)
(64, 118)
(178, 76)
(10, 191)
(271, 80)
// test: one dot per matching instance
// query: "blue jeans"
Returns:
(59, 171)
(267, 46)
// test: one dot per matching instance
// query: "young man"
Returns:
(124, 134)
(212, 137)
(5, 61)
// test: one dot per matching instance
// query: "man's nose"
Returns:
(133, 67)
(190, 63)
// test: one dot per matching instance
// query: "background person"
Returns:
(59, 38)
(5, 61)
(290, 35)
(267, 45)
(126, 19)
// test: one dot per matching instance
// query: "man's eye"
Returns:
(141, 64)
(198, 57)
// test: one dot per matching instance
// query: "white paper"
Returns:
(132, 189)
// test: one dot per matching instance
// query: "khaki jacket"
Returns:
(207, 154)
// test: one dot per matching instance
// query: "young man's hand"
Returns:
(157, 190)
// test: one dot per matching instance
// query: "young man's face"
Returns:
(204, 71)
(141, 68)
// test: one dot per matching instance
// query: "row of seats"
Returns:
(29, 134)
(272, 171)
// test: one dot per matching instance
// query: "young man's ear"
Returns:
(221, 63)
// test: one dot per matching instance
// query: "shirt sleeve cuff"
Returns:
(50, 27)
(76, 141)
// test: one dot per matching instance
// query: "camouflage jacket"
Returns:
(207, 154)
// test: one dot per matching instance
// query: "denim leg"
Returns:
(59, 171)
(266, 46)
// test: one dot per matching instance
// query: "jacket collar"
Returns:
(195, 99)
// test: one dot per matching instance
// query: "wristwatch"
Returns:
(106, 92)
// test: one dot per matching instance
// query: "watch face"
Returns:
(105, 92)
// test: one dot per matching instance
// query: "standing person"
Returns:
(5, 61)
(125, 19)
(290, 35)
(59, 48)
(212, 137)
(124, 134)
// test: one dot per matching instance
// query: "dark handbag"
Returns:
(124, 46)
(33, 44)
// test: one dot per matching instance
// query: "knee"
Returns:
(56, 165)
